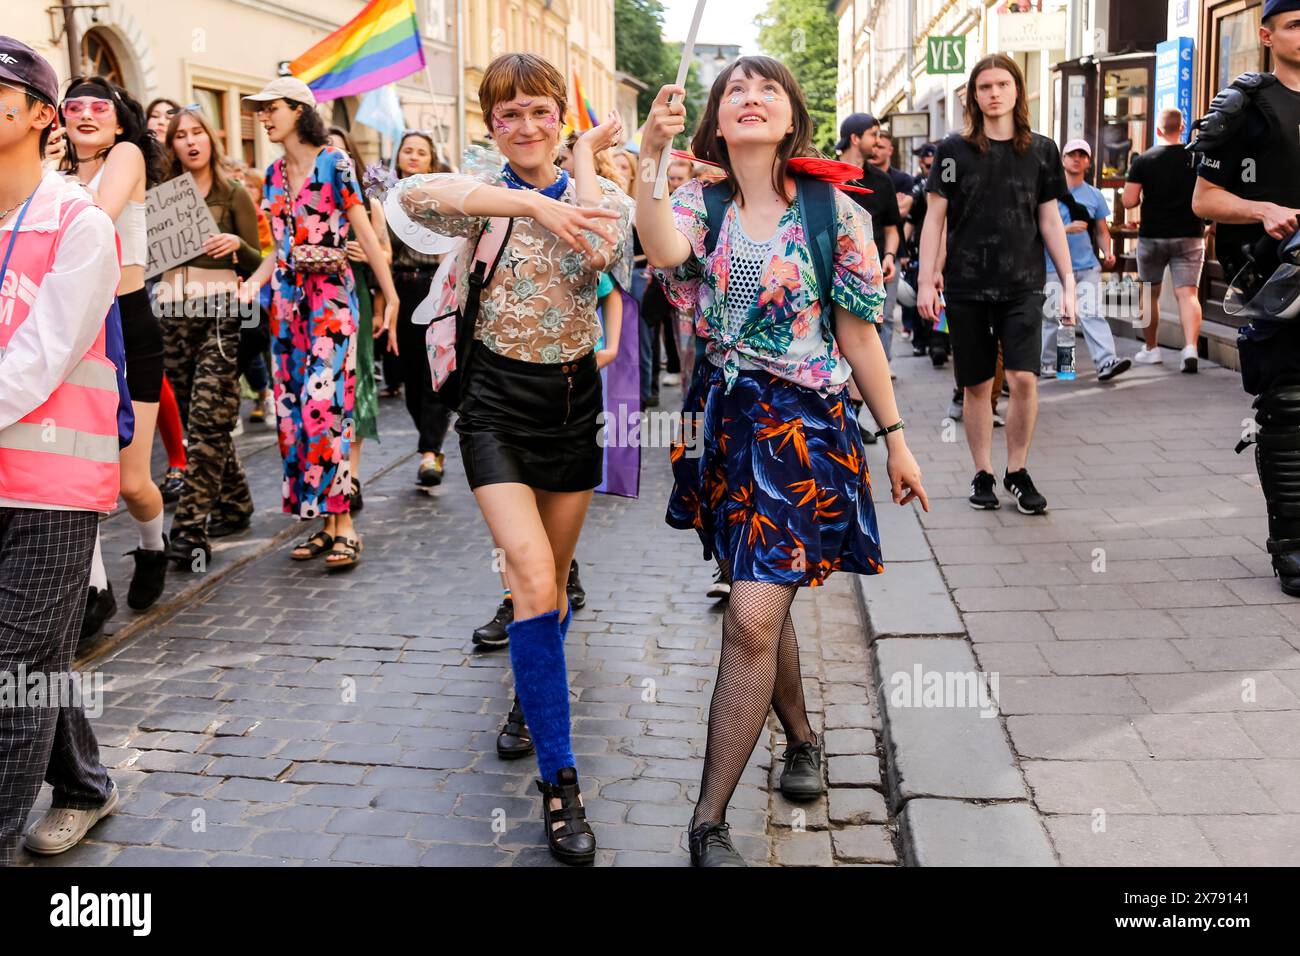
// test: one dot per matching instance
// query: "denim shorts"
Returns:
(1184, 256)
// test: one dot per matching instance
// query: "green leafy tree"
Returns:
(804, 36)
(641, 51)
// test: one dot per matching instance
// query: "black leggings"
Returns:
(432, 418)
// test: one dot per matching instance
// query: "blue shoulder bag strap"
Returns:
(817, 208)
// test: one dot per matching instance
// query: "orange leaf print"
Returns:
(807, 488)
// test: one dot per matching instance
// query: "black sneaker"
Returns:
(172, 484)
(958, 404)
(225, 527)
(430, 472)
(938, 357)
(577, 596)
(711, 846)
(1113, 368)
(1028, 500)
(149, 578)
(982, 495)
(100, 606)
(184, 552)
(493, 634)
(720, 589)
(802, 777)
(1286, 567)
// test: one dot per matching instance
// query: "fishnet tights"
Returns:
(758, 670)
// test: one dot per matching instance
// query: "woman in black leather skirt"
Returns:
(531, 392)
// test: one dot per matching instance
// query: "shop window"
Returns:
(1237, 49)
(1125, 120)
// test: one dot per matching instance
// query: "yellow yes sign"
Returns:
(945, 55)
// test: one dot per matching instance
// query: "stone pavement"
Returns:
(1148, 666)
(282, 716)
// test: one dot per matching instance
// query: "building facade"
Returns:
(575, 35)
(213, 52)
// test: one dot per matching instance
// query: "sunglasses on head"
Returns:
(192, 108)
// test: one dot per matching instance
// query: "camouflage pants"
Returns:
(200, 353)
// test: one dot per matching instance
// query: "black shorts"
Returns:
(142, 335)
(530, 422)
(978, 327)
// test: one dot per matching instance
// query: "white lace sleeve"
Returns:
(435, 203)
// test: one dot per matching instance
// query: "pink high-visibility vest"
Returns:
(65, 453)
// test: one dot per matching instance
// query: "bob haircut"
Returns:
(708, 145)
(513, 73)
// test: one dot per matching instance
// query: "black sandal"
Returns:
(355, 501)
(572, 841)
(350, 551)
(315, 546)
(514, 741)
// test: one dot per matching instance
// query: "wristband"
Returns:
(897, 426)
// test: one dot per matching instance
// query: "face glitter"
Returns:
(11, 113)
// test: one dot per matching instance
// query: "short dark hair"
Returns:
(309, 126)
(34, 101)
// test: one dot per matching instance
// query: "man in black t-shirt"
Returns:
(1171, 235)
(858, 135)
(993, 192)
(1248, 185)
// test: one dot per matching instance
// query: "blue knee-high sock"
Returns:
(542, 685)
(564, 625)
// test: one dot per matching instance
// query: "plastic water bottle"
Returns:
(1065, 353)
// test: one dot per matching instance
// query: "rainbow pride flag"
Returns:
(380, 45)
(586, 115)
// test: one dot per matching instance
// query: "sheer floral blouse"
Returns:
(756, 302)
(540, 304)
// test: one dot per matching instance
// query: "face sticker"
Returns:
(11, 113)
(551, 121)
(769, 96)
(735, 98)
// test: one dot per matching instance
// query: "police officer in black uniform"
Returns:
(1249, 184)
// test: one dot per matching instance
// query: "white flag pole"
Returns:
(683, 68)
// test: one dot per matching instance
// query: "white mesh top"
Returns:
(745, 280)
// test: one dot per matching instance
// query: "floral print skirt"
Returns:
(776, 482)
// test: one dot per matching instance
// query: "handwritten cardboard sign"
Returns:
(178, 222)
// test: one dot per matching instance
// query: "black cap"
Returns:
(925, 149)
(855, 124)
(22, 65)
(1279, 6)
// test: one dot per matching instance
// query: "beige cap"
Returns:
(284, 88)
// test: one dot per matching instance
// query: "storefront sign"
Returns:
(1182, 12)
(910, 125)
(945, 55)
(1031, 31)
(1174, 80)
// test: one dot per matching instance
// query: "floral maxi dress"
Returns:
(313, 336)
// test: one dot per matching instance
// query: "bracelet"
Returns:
(897, 426)
(891, 254)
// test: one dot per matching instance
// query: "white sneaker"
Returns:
(238, 429)
(1146, 356)
(1189, 359)
(270, 408)
(62, 829)
(670, 378)
(1048, 370)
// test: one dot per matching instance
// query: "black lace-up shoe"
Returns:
(1287, 568)
(982, 495)
(100, 606)
(493, 635)
(802, 777)
(1028, 500)
(711, 846)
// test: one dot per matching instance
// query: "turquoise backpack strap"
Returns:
(817, 209)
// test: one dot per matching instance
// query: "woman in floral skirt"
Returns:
(781, 495)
